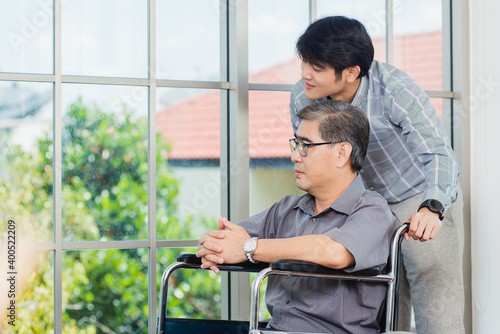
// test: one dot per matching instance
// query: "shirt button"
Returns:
(288, 302)
(276, 322)
(361, 170)
(372, 188)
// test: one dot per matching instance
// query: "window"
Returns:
(372, 14)
(127, 127)
(27, 41)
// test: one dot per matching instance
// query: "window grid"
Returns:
(233, 132)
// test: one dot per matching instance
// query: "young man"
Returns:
(338, 224)
(409, 161)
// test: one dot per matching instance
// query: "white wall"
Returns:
(484, 101)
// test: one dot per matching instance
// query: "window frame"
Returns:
(234, 89)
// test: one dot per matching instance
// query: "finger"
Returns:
(203, 239)
(217, 234)
(201, 242)
(413, 225)
(221, 223)
(407, 237)
(207, 264)
(417, 226)
(420, 230)
(206, 255)
(202, 252)
(435, 230)
(433, 225)
(212, 247)
(214, 258)
(427, 233)
(211, 266)
(230, 225)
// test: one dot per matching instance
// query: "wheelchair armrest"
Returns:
(310, 267)
(247, 266)
(190, 258)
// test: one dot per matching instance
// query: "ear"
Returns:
(344, 155)
(352, 73)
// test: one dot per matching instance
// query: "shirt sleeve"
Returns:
(410, 109)
(264, 224)
(367, 233)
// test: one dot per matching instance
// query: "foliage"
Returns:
(104, 197)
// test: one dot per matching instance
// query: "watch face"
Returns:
(250, 245)
(436, 205)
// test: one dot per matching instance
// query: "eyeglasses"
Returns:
(294, 144)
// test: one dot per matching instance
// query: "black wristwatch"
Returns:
(434, 206)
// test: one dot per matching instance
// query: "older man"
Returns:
(338, 224)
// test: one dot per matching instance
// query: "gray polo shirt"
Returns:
(362, 222)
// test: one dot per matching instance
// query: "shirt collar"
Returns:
(344, 203)
(361, 92)
(306, 204)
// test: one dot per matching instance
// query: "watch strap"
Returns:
(434, 206)
(249, 256)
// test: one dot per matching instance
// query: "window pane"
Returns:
(271, 170)
(27, 42)
(443, 109)
(194, 294)
(188, 162)
(26, 163)
(34, 290)
(188, 45)
(105, 165)
(272, 35)
(438, 104)
(105, 38)
(370, 13)
(105, 291)
(263, 311)
(418, 41)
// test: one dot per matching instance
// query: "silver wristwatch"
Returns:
(249, 248)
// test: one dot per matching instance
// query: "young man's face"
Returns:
(317, 169)
(321, 82)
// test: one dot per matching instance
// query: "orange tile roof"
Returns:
(193, 125)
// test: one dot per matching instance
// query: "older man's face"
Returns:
(316, 171)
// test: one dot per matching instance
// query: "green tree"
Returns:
(104, 197)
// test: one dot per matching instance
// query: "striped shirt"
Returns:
(409, 151)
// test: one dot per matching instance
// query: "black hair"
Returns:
(341, 122)
(338, 42)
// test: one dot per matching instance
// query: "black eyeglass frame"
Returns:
(304, 145)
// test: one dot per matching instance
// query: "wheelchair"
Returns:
(390, 276)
